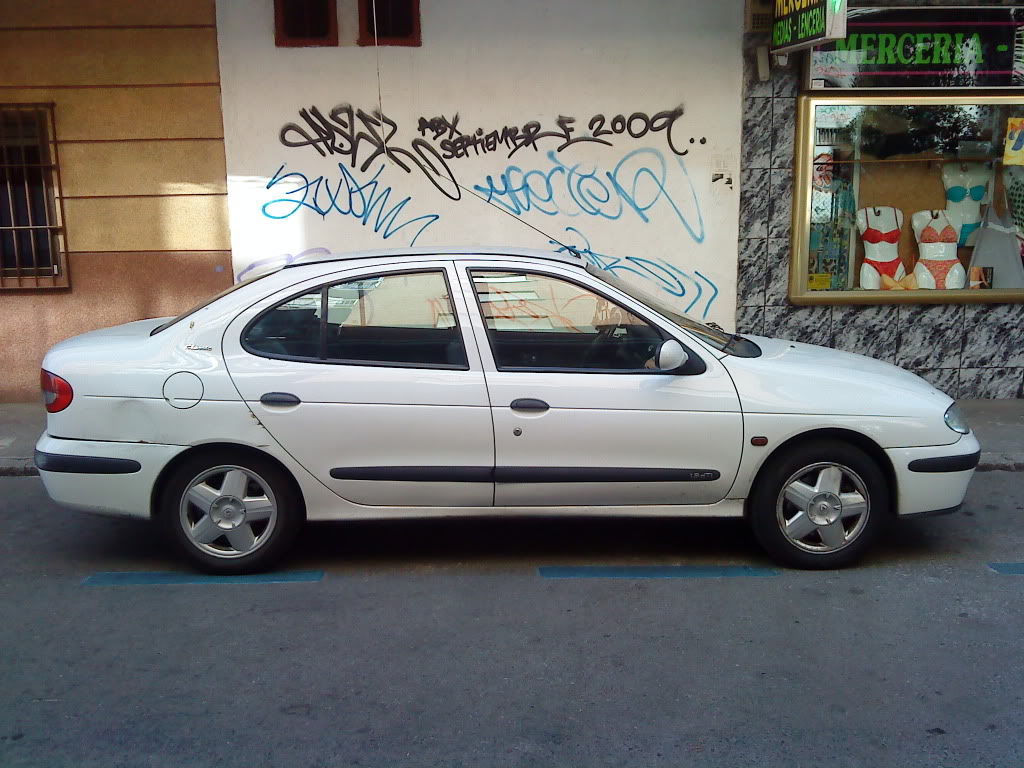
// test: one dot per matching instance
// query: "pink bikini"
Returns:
(939, 269)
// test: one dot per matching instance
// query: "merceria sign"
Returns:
(980, 47)
(803, 23)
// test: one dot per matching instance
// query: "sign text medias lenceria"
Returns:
(798, 20)
(916, 48)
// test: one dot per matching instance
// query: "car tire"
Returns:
(819, 505)
(231, 512)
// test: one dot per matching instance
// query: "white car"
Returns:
(441, 382)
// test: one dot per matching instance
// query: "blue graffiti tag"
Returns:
(367, 202)
(636, 184)
(658, 271)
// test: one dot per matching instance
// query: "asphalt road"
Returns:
(439, 644)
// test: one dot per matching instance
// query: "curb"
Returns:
(1001, 462)
(990, 462)
(18, 468)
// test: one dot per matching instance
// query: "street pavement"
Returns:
(439, 643)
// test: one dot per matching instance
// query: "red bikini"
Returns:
(888, 268)
(873, 236)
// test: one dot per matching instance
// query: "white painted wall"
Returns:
(645, 211)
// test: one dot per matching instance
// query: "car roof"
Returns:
(476, 251)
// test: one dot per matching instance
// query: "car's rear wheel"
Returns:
(231, 514)
(819, 505)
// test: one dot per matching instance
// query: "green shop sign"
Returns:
(979, 47)
(801, 24)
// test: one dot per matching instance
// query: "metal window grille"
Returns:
(389, 22)
(305, 23)
(32, 240)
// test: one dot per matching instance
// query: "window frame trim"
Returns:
(695, 360)
(284, 40)
(366, 38)
(58, 277)
(323, 288)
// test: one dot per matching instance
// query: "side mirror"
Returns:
(670, 356)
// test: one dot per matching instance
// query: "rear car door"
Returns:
(369, 380)
(581, 418)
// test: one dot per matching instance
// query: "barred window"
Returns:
(389, 22)
(305, 23)
(32, 249)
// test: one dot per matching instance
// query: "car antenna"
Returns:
(387, 154)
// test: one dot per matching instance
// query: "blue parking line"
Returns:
(652, 571)
(1011, 569)
(151, 578)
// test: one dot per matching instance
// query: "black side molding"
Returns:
(526, 474)
(946, 463)
(602, 475)
(85, 465)
(416, 474)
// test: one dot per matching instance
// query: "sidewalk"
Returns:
(999, 425)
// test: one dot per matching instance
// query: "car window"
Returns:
(402, 319)
(291, 329)
(539, 321)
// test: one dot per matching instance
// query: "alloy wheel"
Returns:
(228, 511)
(823, 507)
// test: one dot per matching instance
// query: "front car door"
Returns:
(581, 418)
(372, 382)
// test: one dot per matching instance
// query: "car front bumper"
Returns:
(99, 476)
(934, 479)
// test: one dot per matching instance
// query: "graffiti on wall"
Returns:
(359, 135)
(634, 186)
(366, 201)
(644, 184)
(455, 144)
(700, 291)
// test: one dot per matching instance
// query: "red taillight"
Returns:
(57, 392)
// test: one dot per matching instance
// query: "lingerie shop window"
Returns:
(909, 199)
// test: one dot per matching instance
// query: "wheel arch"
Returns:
(857, 439)
(215, 448)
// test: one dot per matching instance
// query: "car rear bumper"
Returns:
(934, 479)
(98, 476)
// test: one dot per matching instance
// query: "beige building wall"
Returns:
(136, 90)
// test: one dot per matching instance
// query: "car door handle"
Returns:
(529, 404)
(279, 398)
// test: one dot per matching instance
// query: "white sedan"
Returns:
(483, 381)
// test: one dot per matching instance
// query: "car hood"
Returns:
(792, 377)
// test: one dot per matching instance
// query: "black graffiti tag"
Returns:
(349, 132)
(600, 130)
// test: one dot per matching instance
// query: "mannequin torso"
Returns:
(880, 228)
(967, 186)
(938, 233)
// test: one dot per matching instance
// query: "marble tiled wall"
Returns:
(972, 350)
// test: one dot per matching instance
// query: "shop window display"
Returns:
(909, 198)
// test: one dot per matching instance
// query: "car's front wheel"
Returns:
(231, 514)
(819, 505)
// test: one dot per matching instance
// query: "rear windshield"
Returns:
(197, 307)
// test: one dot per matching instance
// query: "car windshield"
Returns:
(201, 305)
(712, 336)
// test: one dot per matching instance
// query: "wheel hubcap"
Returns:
(228, 511)
(823, 507)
